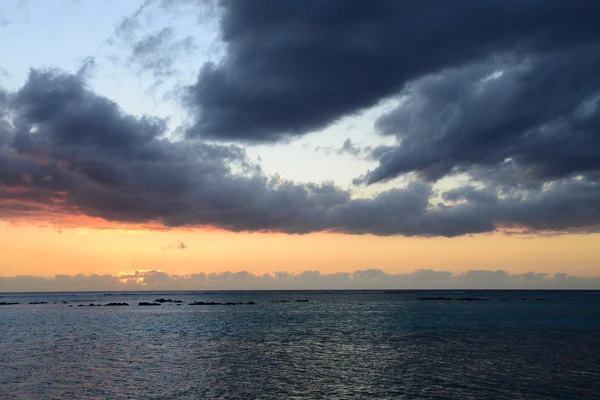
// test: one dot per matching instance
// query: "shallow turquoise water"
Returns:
(338, 345)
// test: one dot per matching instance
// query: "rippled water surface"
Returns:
(338, 345)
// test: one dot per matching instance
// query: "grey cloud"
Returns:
(72, 152)
(129, 25)
(127, 29)
(297, 66)
(88, 67)
(66, 151)
(470, 194)
(506, 178)
(310, 279)
(3, 105)
(157, 52)
(521, 88)
(347, 148)
(510, 200)
(179, 246)
(350, 148)
(64, 113)
(408, 210)
(542, 113)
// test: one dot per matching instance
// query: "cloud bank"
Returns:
(296, 67)
(505, 93)
(67, 151)
(307, 280)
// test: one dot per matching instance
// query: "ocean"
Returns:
(301, 345)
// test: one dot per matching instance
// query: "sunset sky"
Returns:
(196, 136)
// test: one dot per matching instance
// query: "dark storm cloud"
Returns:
(310, 279)
(408, 210)
(61, 112)
(543, 112)
(66, 151)
(571, 204)
(295, 66)
(480, 86)
(69, 151)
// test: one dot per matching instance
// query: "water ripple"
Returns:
(339, 345)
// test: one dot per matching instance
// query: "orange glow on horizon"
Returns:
(107, 248)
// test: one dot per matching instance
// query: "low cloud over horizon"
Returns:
(141, 280)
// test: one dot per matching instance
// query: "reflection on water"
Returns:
(337, 345)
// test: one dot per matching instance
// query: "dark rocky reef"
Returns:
(471, 299)
(117, 304)
(89, 305)
(145, 303)
(7, 303)
(161, 300)
(38, 302)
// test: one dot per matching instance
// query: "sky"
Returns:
(228, 144)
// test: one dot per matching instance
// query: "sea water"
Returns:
(301, 344)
